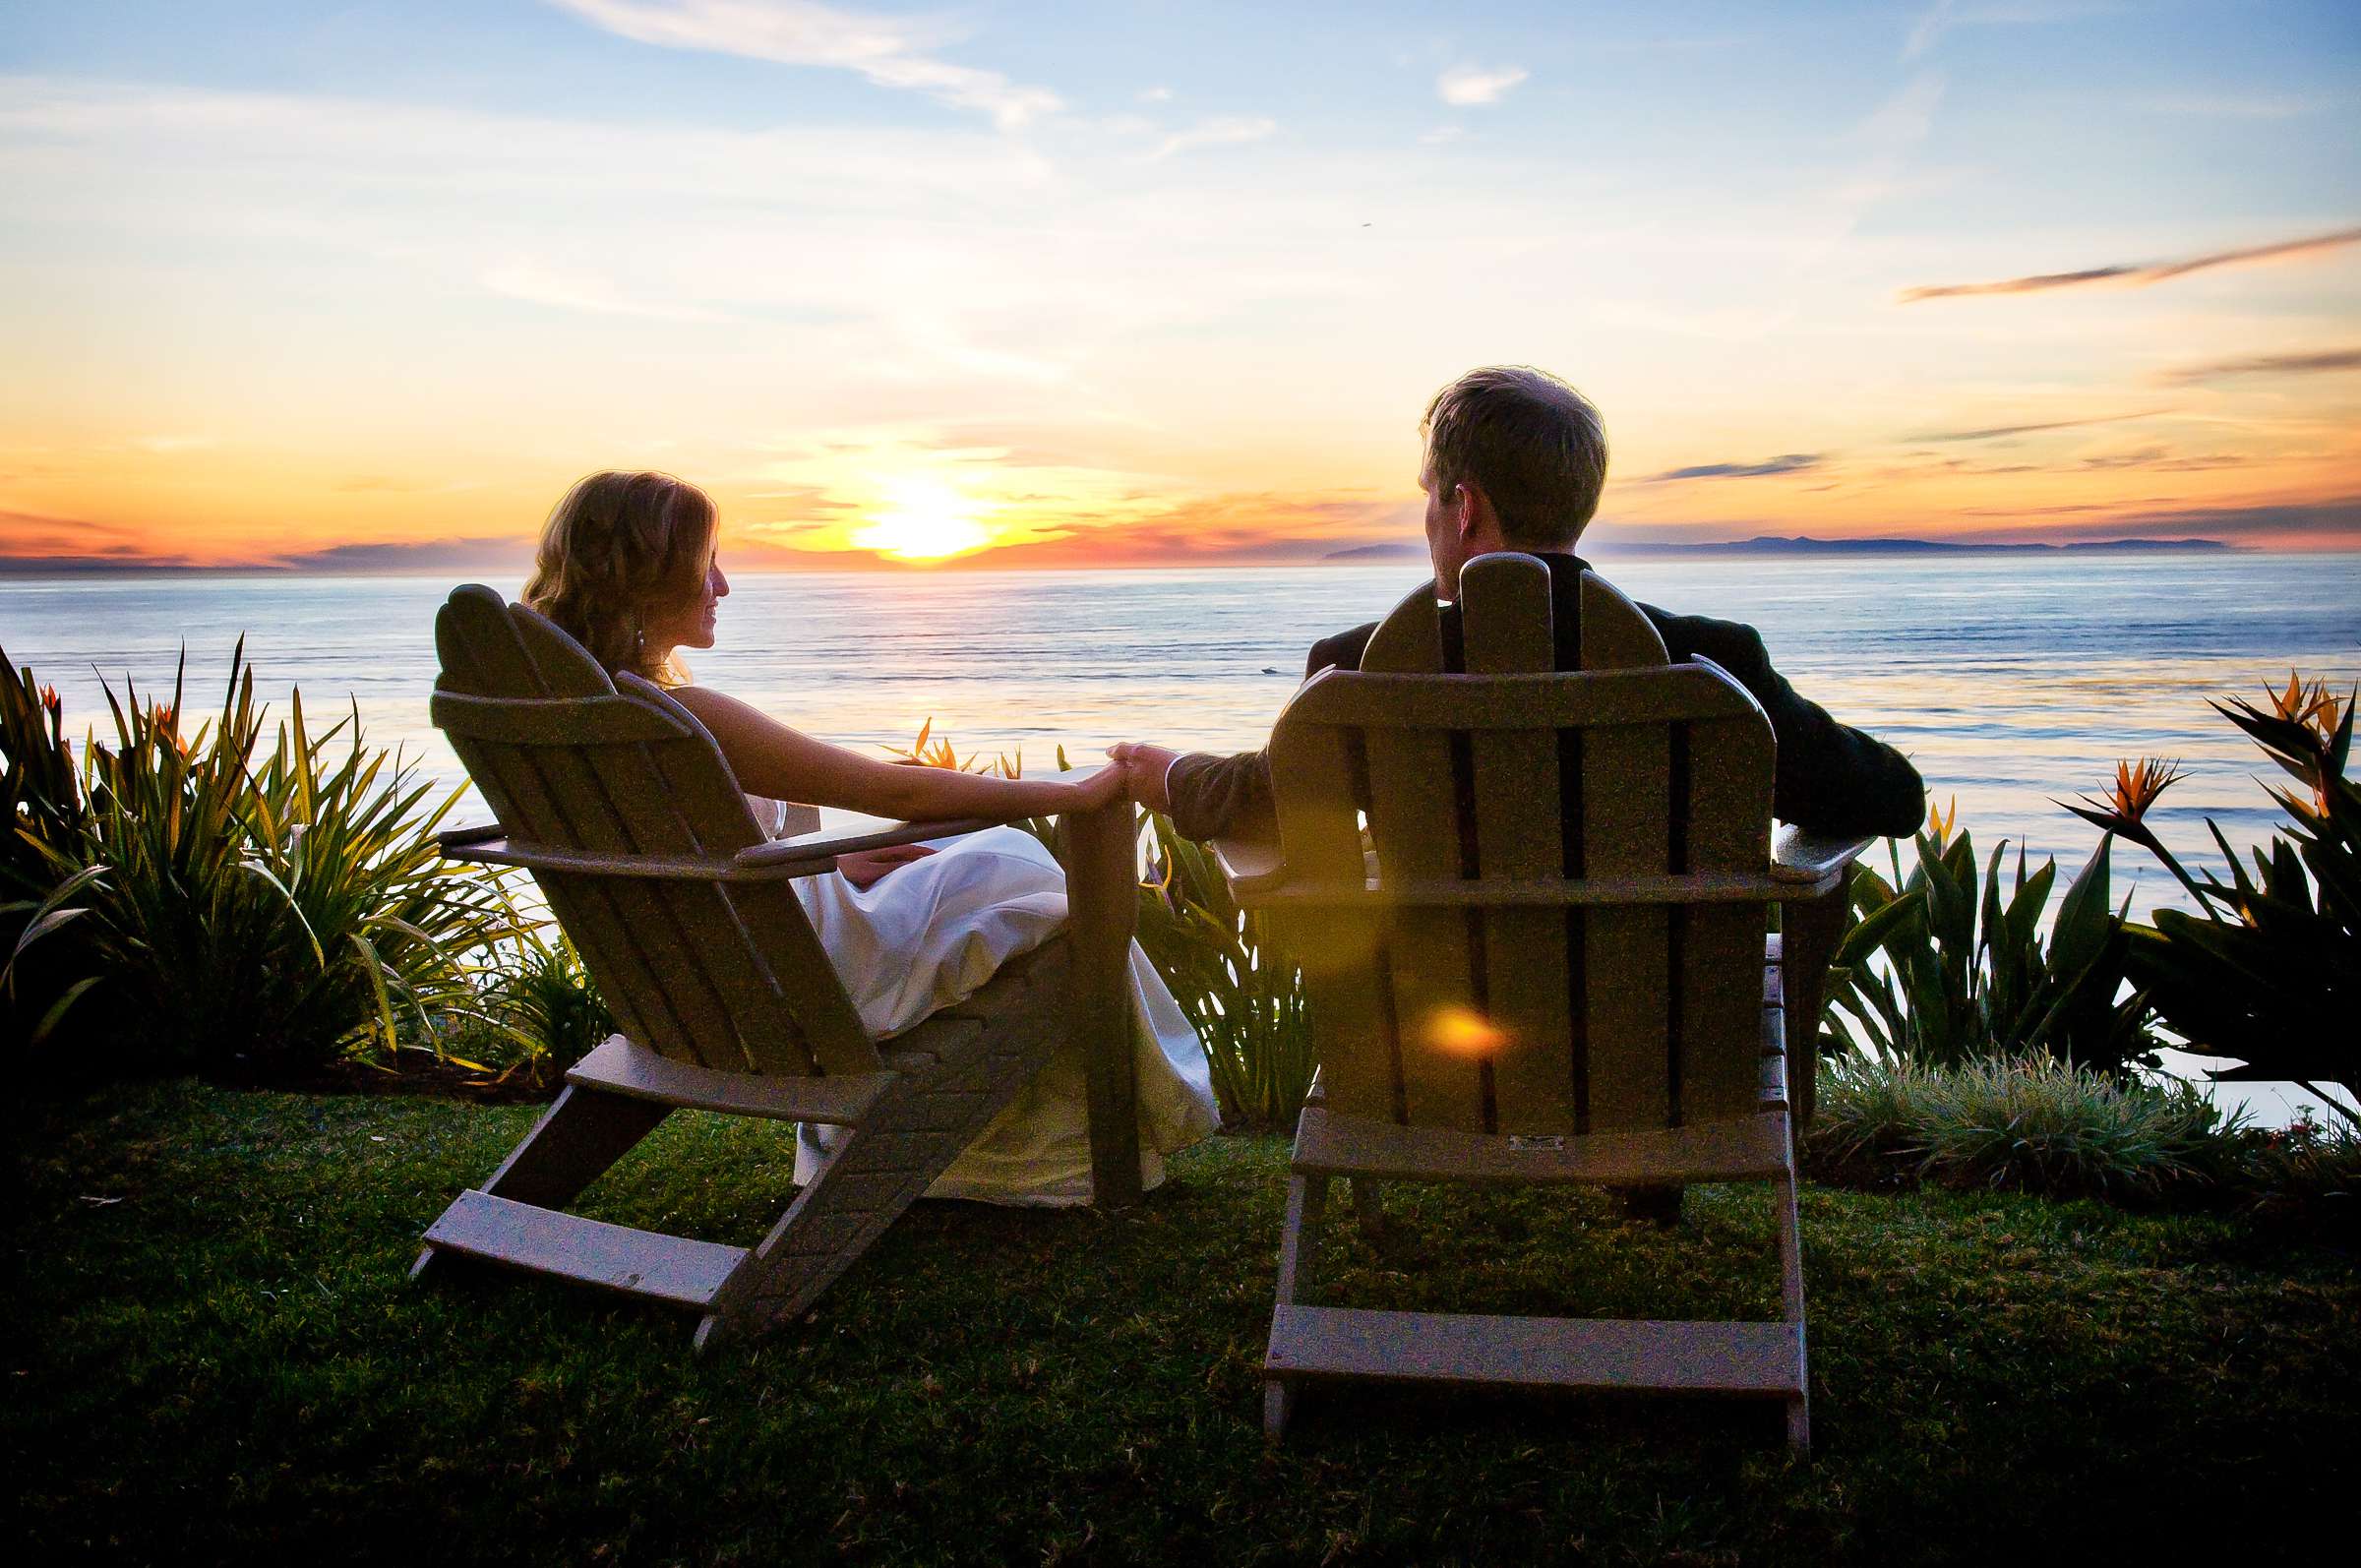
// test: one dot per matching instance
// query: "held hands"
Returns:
(1142, 766)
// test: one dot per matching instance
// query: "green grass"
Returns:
(213, 1354)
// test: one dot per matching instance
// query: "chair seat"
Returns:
(623, 1067)
(1764, 1359)
(1748, 1148)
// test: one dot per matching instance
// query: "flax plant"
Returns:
(246, 908)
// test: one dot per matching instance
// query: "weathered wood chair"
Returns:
(1551, 968)
(622, 807)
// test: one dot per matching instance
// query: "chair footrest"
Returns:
(614, 1257)
(1755, 1360)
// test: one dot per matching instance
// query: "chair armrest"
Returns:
(1814, 862)
(452, 838)
(1247, 864)
(807, 854)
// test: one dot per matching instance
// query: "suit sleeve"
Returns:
(1230, 797)
(1831, 777)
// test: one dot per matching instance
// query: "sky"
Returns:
(1133, 283)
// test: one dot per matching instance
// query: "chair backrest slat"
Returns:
(1729, 773)
(691, 968)
(1313, 768)
(1415, 823)
(1517, 1019)
(481, 655)
(800, 1000)
(609, 793)
(1527, 996)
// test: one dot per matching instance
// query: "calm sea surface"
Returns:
(2011, 681)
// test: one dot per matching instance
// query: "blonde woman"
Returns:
(627, 568)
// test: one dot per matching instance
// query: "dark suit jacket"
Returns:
(1831, 779)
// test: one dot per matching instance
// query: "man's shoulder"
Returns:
(1342, 652)
(1725, 642)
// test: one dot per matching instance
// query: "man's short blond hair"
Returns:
(1532, 444)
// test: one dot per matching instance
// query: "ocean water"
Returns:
(2011, 682)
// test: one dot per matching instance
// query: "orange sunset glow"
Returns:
(1112, 303)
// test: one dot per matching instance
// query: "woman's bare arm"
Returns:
(770, 758)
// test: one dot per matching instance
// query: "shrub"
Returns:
(2027, 1123)
(236, 907)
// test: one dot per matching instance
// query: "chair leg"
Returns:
(1299, 1249)
(577, 1138)
(1790, 1269)
(910, 1134)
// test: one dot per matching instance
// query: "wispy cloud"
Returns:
(1996, 431)
(1227, 130)
(2313, 363)
(890, 51)
(2230, 105)
(1469, 86)
(1947, 16)
(1787, 463)
(1156, 94)
(2141, 276)
(537, 284)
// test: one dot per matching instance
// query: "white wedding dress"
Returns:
(932, 933)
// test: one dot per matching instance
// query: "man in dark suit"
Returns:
(1515, 460)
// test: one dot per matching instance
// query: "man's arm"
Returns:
(1831, 778)
(1209, 796)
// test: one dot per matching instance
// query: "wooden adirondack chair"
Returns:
(1524, 983)
(621, 804)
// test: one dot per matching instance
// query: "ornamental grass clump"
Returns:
(214, 900)
(2027, 1124)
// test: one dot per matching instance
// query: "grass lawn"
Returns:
(212, 1354)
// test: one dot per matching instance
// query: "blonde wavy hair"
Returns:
(619, 551)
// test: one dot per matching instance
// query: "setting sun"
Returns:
(921, 518)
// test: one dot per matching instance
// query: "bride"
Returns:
(627, 566)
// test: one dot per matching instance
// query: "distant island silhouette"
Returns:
(1771, 544)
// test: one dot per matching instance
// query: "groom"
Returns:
(1515, 460)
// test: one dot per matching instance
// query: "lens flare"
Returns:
(1463, 1032)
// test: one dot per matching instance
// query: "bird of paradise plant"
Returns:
(2268, 971)
(1933, 974)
